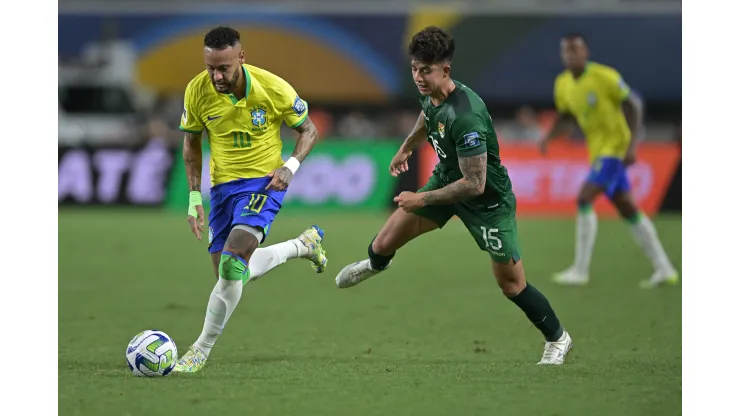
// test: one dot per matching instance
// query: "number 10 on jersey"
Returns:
(256, 202)
(242, 140)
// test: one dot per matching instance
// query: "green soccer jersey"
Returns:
(459, 127)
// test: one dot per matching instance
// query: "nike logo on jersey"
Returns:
(213, 118)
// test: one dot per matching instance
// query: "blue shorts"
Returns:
(245, 202)
(610, 174)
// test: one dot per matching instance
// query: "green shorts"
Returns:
(493, 228)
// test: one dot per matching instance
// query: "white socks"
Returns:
(224, 298)
(646, 236)
(586, 227)
(226, 294)
(643, 231)
(265, 259)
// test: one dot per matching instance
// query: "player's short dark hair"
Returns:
(221, 38)
(576, 35)
(432, 45)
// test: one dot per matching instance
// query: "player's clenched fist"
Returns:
(196, 216)
(280, 179)
(400, 163)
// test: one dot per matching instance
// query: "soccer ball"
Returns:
(151, 353)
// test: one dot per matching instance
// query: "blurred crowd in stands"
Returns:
(526, 125)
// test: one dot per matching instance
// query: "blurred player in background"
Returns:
(469, 182)
(610, 116)
(242, 107)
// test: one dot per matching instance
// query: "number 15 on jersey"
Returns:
(493, 243)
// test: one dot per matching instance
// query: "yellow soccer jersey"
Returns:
(244, 135)
(595, 100)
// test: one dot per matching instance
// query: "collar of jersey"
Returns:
(585, 70)
(232, 97)
(457, 87)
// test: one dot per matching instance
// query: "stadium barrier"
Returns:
(338, 174)
(343, 174)
(549, 185)
(114, 175)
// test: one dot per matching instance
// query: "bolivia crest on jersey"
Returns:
(441, 129)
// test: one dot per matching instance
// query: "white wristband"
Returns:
(292, 164)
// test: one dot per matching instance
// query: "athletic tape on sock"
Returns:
(233, 267)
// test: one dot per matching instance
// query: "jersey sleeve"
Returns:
(559, 96)
(191, 122)
(614, 85)
(293, 109)
(469, 134)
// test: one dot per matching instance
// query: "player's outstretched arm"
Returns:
(416, 137)
(472, 184)
(308, 135)
(192, 154)
(400, 163)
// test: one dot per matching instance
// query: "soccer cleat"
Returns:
(660, 278)
(311, 239)
(355, 273)
(570, 277)
(556, 351)
(192, 362)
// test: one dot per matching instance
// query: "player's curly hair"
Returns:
(432, 45)
(221, 38)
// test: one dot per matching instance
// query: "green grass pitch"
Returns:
(432, 336)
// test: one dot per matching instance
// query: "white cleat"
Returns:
(355, 273)
(556, 351)
(660, 278)
(570, 277)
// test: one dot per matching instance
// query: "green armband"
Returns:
(195, 200)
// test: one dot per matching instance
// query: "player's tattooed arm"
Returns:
(472, 184)
(308, 135)
(192, 154)
(416, 137)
